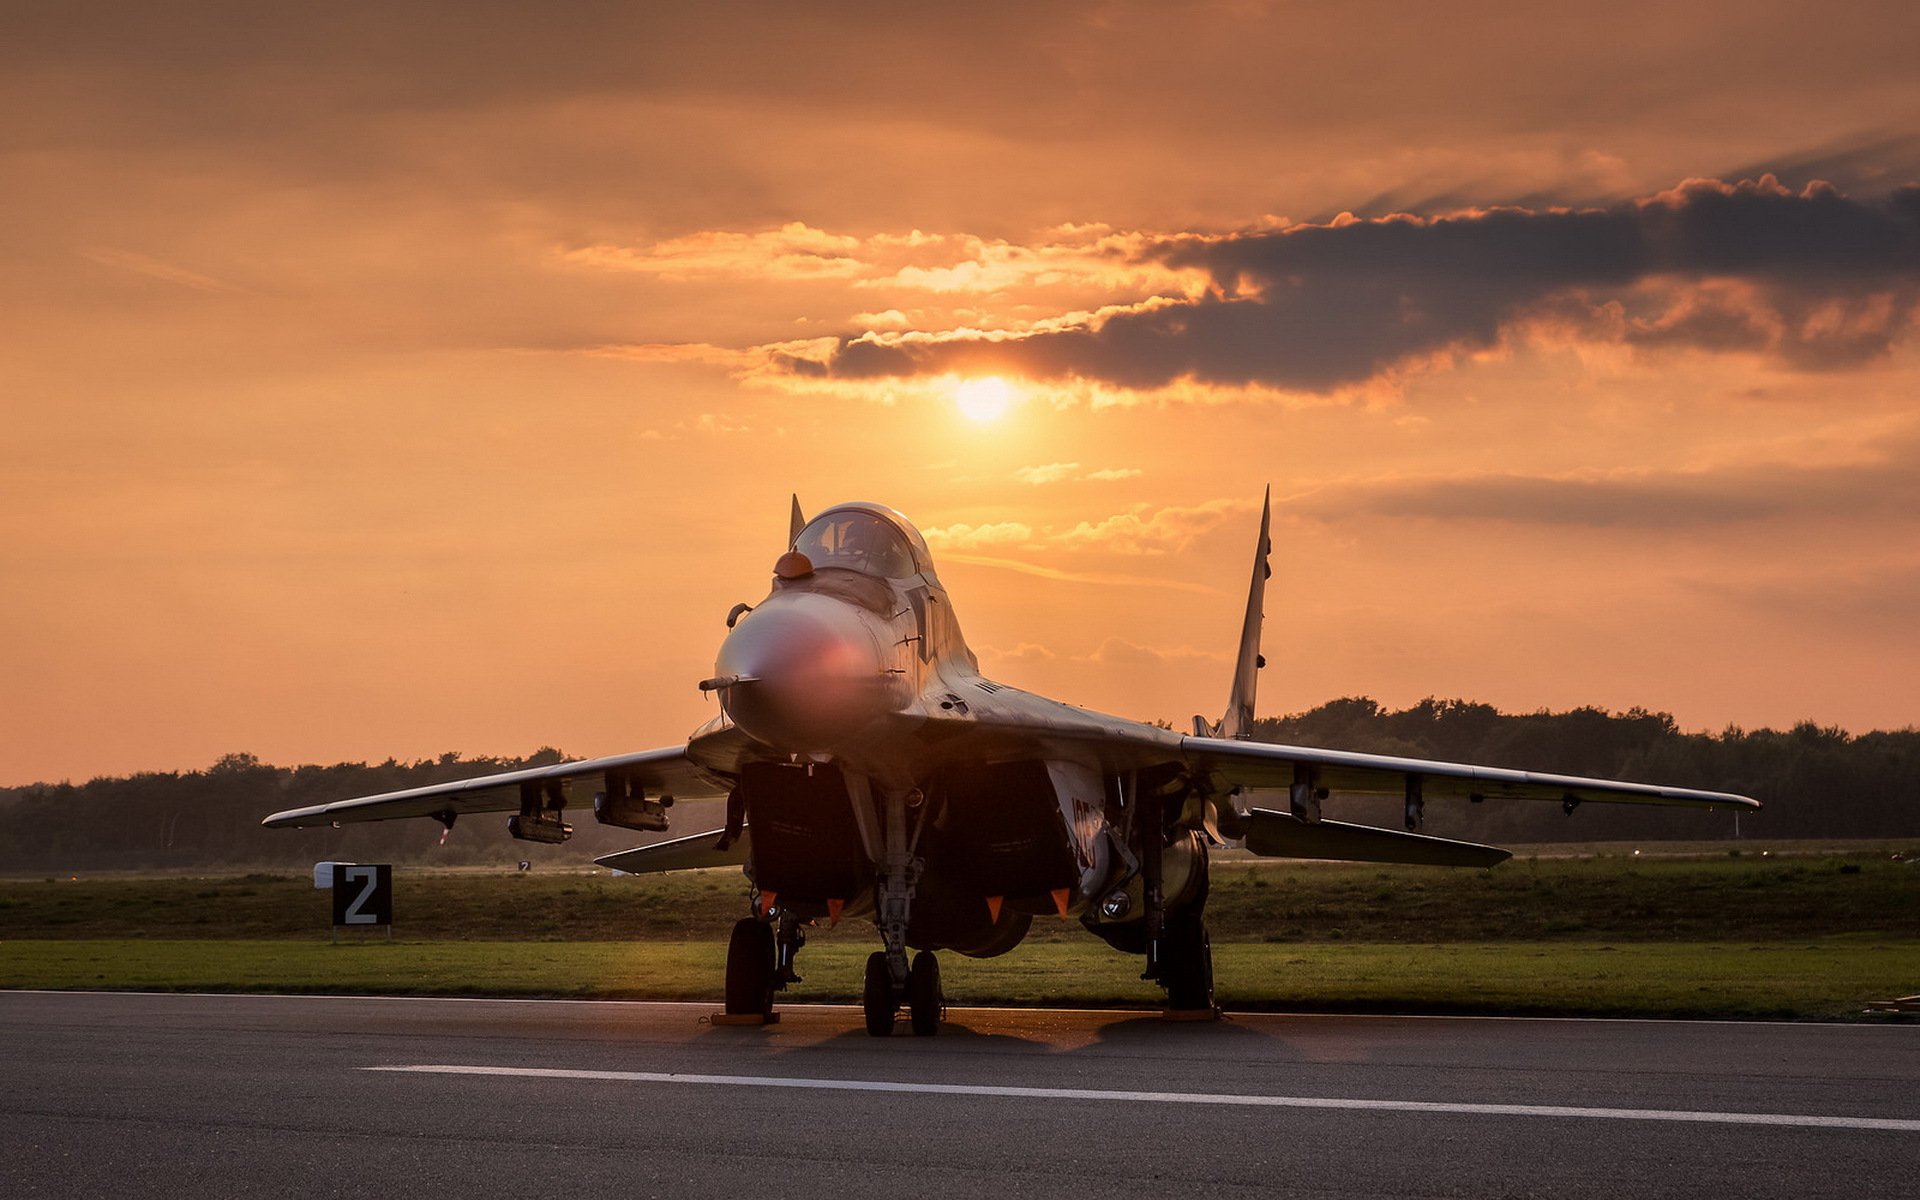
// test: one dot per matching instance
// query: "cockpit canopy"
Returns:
(861, 538)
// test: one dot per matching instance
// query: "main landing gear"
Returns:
(1179, 953)
(749, 985)
(926, 1004)
(760, 957)
(1186, 968)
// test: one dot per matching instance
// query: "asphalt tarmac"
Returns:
(184, 1095)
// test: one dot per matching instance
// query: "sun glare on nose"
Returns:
(984, 399)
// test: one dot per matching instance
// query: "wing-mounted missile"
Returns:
(1281, 835)
(624, 803)
(539, 820)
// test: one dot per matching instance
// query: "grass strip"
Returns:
(1774, 899)
(1828, 979)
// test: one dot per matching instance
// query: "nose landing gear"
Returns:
(877, 1000)
(926, 1004)
(890, 979)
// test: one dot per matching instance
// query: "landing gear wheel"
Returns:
(877, 998)
(1187, 970)
(924, 1000)
(750, 968)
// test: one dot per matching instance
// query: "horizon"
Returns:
(461, 757)
(429, 374)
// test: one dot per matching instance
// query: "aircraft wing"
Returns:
(667, 772)
(1265, 765)
(694, 853)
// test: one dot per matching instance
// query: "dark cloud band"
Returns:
(1881, 489)
(1812, 278)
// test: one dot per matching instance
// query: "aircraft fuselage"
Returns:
(849, 691)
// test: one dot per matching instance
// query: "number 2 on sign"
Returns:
(354, 916)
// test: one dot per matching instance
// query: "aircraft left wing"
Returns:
(1265, 765)
(666, 772)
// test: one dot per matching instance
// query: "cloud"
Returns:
(1870, 163)
(153, 268)
(1111, 652)
(793, 251)
(1024, 652)
(1050, 473)
(1811, 279)
(677, 352)
(1874, 601)
(1083, 257)
(1118, 651)
(1106, 579)
(710, 424)
(1071, 472)
(1070, 256)
(1141, 532)
(1885, 485)
(720, 424)
(1146, 531)
(973, 537)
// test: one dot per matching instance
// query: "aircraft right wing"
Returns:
(1267, 765)
(1310, 772)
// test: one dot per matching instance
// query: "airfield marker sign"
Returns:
(362, 896)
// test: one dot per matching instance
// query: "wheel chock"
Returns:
(1189, 1014)
(1905, 1004)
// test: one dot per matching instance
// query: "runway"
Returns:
(268, 1095)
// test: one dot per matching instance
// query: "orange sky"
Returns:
(391, 379)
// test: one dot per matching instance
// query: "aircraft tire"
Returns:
(876, 996)
(749, 984)
(925, 1003)
(1188, 968)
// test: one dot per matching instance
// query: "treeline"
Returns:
(1816, 782)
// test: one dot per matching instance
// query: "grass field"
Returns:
(1802, 891)
(1807, 932)
(1825, 980)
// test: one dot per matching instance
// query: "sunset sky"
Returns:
(388, 379)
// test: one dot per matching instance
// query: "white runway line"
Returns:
(1804, 1121)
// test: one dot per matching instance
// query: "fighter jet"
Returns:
(871, 771)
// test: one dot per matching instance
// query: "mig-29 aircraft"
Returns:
(870, 770)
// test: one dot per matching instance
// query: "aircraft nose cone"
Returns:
(808, 673)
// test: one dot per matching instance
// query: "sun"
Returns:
(984, 399)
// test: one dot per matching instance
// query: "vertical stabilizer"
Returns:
(1238, 721)
(796, 522)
